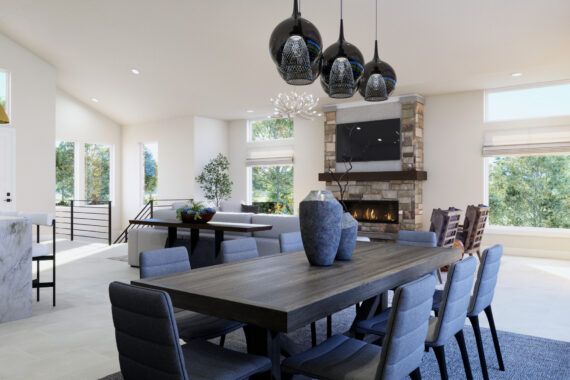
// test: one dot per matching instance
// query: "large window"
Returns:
(4, 89)
(528, 103)
(150, 169)
(64, 172)
(271, 129)
(530, 191)
(97, 172)
(272, 188)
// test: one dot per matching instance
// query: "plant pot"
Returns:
(347, 237)
(205, 217)
(320, 217)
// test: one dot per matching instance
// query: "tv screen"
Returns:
(377, 140)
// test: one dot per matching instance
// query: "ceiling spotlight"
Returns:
(516, 74)
(249, 111)
(95, 100)
(379, 139)
(135, 71)
(358, 128)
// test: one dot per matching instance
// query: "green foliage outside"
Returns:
(532, 191)
(150, 175)
(215, 180)
(64, 172)
(273, 188)
(97, 172)
(3, 89)
(271, 129)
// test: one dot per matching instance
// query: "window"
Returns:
(5, 91)
(97, 172)
(270, 129)
(530, 191)
(64, 172)
(527, 103)
(150, 171)
(272, 188)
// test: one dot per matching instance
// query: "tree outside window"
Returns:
(150, 152)
(530, 191)
(272, 188)
(64, 172)
(97, 172)
(3, 89)
(271, 129)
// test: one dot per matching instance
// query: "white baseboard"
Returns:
(537, 253)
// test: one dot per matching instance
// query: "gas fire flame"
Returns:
(370, 214)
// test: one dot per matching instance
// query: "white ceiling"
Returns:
(211, 57)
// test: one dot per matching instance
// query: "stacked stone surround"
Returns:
(408, 193)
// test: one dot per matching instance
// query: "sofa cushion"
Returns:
(280, 223)
(267, 246)
(164, 213)
(234, 217)
(230, 206)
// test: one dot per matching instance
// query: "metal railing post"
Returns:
(110, 223)
(72, 220)
(151, 209)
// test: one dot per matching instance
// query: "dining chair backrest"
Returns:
(164, 261)
(290, 242)
(486, 280)
(238, 249)
(418, 238)
(403, 345)
(146, 334)
(455, 300)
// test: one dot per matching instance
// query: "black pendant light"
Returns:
(343, 66)
(379, 79)
(295, 47)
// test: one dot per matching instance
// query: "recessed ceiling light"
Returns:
(358, 128)
(516, 74)
(95, 100)
(135, 71)
(379, 139)
(249, 111)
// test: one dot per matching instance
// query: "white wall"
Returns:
(210, 138)
(176, 170)
(33, 117)
(77, 122)
(308, 158)
(454, 129)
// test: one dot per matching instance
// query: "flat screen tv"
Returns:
(377, 140)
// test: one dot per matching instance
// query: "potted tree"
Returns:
(215, 180)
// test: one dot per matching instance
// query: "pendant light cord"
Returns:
(377, 20)
(341, 9)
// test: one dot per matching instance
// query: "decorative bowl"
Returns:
(190, 216)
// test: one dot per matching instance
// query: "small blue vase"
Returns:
(347, 237)
(320, 217)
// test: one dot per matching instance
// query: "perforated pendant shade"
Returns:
(379, 79)
(295, 47)
(343, 66)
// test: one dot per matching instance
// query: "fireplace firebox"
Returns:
(373, 211)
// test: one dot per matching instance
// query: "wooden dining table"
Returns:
(280, 293)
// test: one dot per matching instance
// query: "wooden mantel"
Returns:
(405, 175)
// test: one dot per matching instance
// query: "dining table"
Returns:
(218, 227)
(280, 293)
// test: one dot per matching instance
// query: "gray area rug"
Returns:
(525, 357)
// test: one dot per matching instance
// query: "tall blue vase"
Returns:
(347, 237)
(320, 216)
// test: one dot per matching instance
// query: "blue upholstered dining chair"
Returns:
(450, 319)
(149, 347)
(418, 238)
(191, 325)
(481, 301)
(290, 242)
(341, 357)
(237, 250)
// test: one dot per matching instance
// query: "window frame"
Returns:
(8, 107)
(249, 135)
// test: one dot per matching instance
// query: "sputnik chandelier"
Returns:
(295, 104)
(296, 48)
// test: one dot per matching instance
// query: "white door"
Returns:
(7, 168)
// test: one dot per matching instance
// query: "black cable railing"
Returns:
(145, 213)
(86, 219)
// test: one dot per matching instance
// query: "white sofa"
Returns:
(144, 239)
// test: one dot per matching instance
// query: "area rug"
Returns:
(525, 357)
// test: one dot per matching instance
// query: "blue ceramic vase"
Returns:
(320, 217)
(347, 237)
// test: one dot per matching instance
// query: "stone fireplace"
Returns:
(384, 201)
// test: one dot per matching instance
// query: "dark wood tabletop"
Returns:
(283, 292)
(216, 226)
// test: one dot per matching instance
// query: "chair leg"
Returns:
(222, 340)
(416, 374)
(491, 320)
(314, 333)
(329, 326)
(38, 278)
(439, 276)
(286, 376)
(477, 330)
(461, 342)
(440, 355)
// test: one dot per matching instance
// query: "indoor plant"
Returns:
(195, 212)
(215, 180)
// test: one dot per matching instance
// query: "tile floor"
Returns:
(75, 340)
